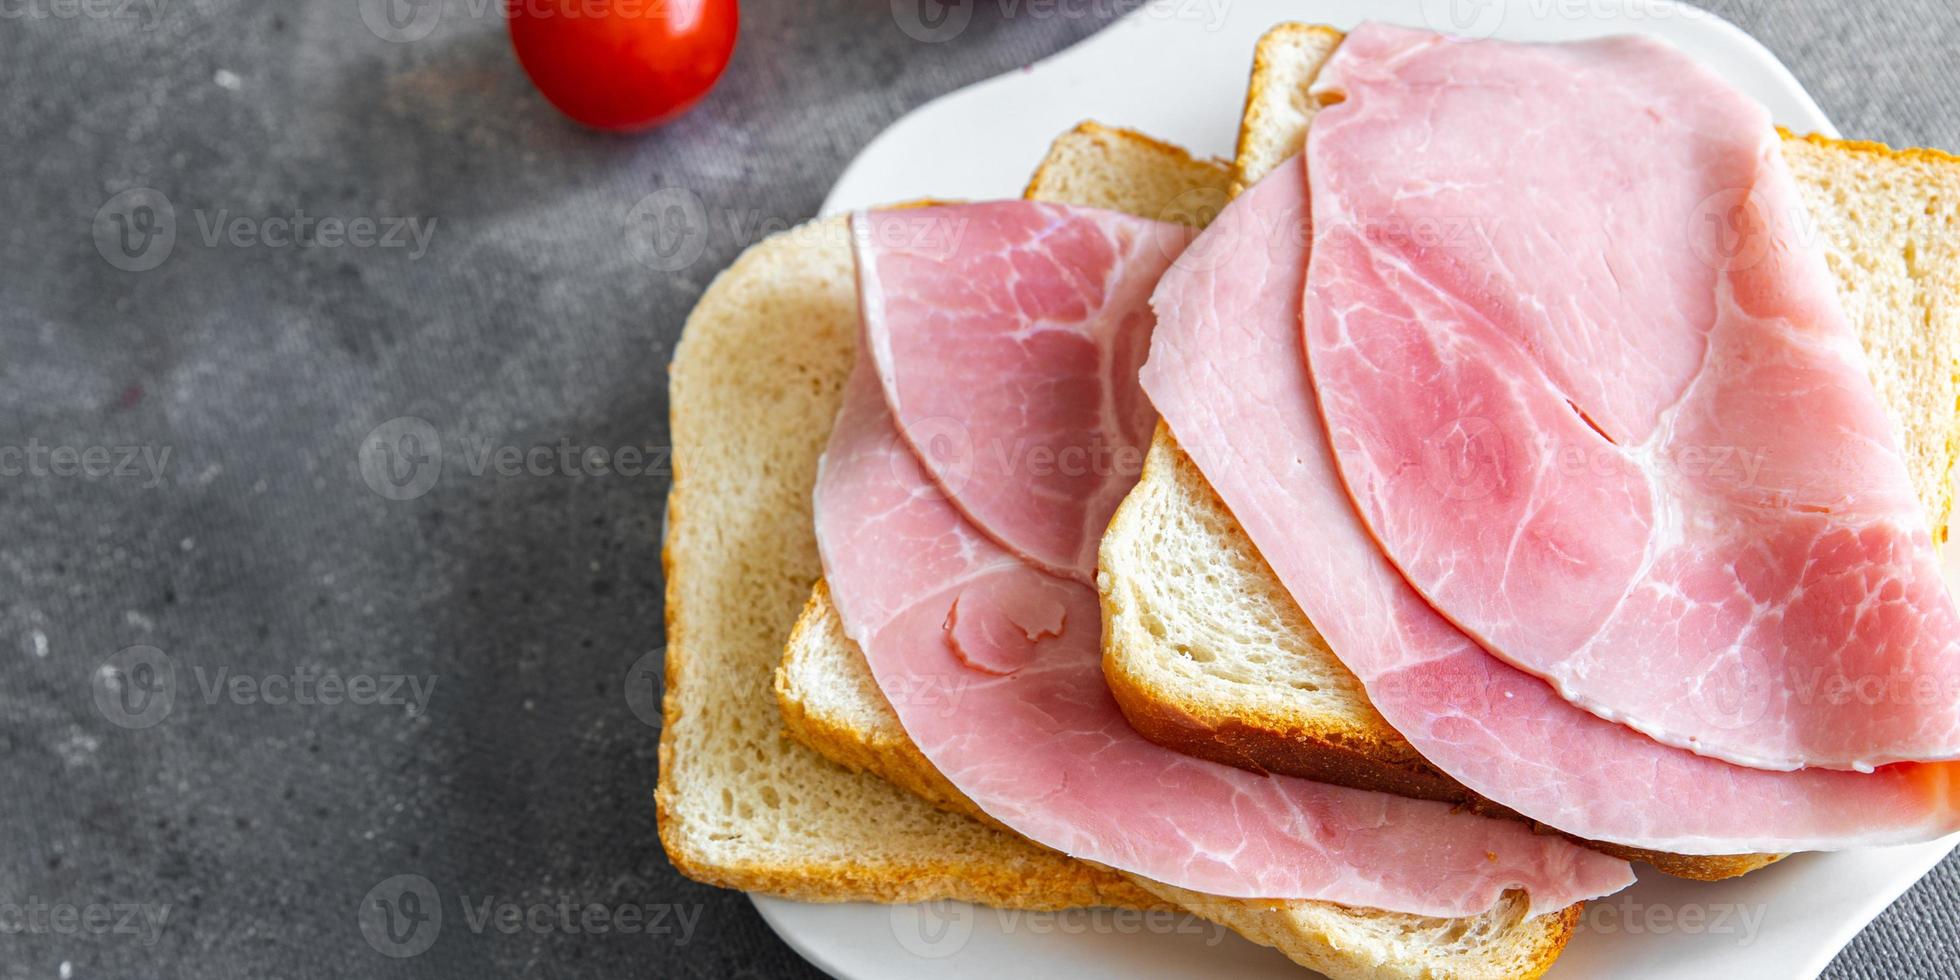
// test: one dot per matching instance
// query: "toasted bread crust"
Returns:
(728, 570)
(1922, 154)
(1367, 755)
(1940, 505)
(1298, 929)
(894, 758)
(1040, 184)
(1257, 116)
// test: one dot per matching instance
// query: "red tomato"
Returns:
(623, 64)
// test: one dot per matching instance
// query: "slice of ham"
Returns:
(998, 330)
(1588, 382)
(1042, 747)
(1224, 370)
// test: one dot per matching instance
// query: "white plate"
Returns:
(1176, 69)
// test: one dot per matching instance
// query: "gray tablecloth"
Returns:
(186, 499)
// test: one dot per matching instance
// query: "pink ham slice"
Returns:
(1588, 383)
(1043, 748)
(1224, 371)
(999, 330)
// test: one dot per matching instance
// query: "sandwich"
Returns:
(744, 803)
(764, 364)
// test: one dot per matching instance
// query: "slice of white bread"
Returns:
(755, 383)
(1209, 654)
(831, 702)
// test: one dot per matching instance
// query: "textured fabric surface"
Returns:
(218, 451)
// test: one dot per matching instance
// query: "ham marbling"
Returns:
(1587, 379)
(993, 664)
(1000, 331)
(1043, 748)
(1224, 371)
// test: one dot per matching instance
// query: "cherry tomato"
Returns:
(623, 64)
